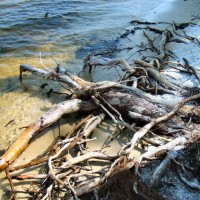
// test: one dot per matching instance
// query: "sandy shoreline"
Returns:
(179, 11)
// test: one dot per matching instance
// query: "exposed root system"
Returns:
(134, 103)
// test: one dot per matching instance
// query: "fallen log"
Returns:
(133, 103)
(54, 114)
(122, 101)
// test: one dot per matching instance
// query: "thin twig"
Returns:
(11, 183)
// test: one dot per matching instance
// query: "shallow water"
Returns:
(72, 30)
(25, 31)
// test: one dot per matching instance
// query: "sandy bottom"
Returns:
(44, 139)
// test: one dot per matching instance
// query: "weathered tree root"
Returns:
(111, 102)
(46, 120)
(129, 104)
(138, 135)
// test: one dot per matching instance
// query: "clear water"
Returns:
(72, 29)
(25, 31)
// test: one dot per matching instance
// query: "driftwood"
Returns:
(46, 120)
(129, 104)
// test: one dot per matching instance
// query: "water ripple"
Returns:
(25, 29)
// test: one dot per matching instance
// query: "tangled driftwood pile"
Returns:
(133, 103)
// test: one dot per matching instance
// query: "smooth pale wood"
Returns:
(54, 114)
